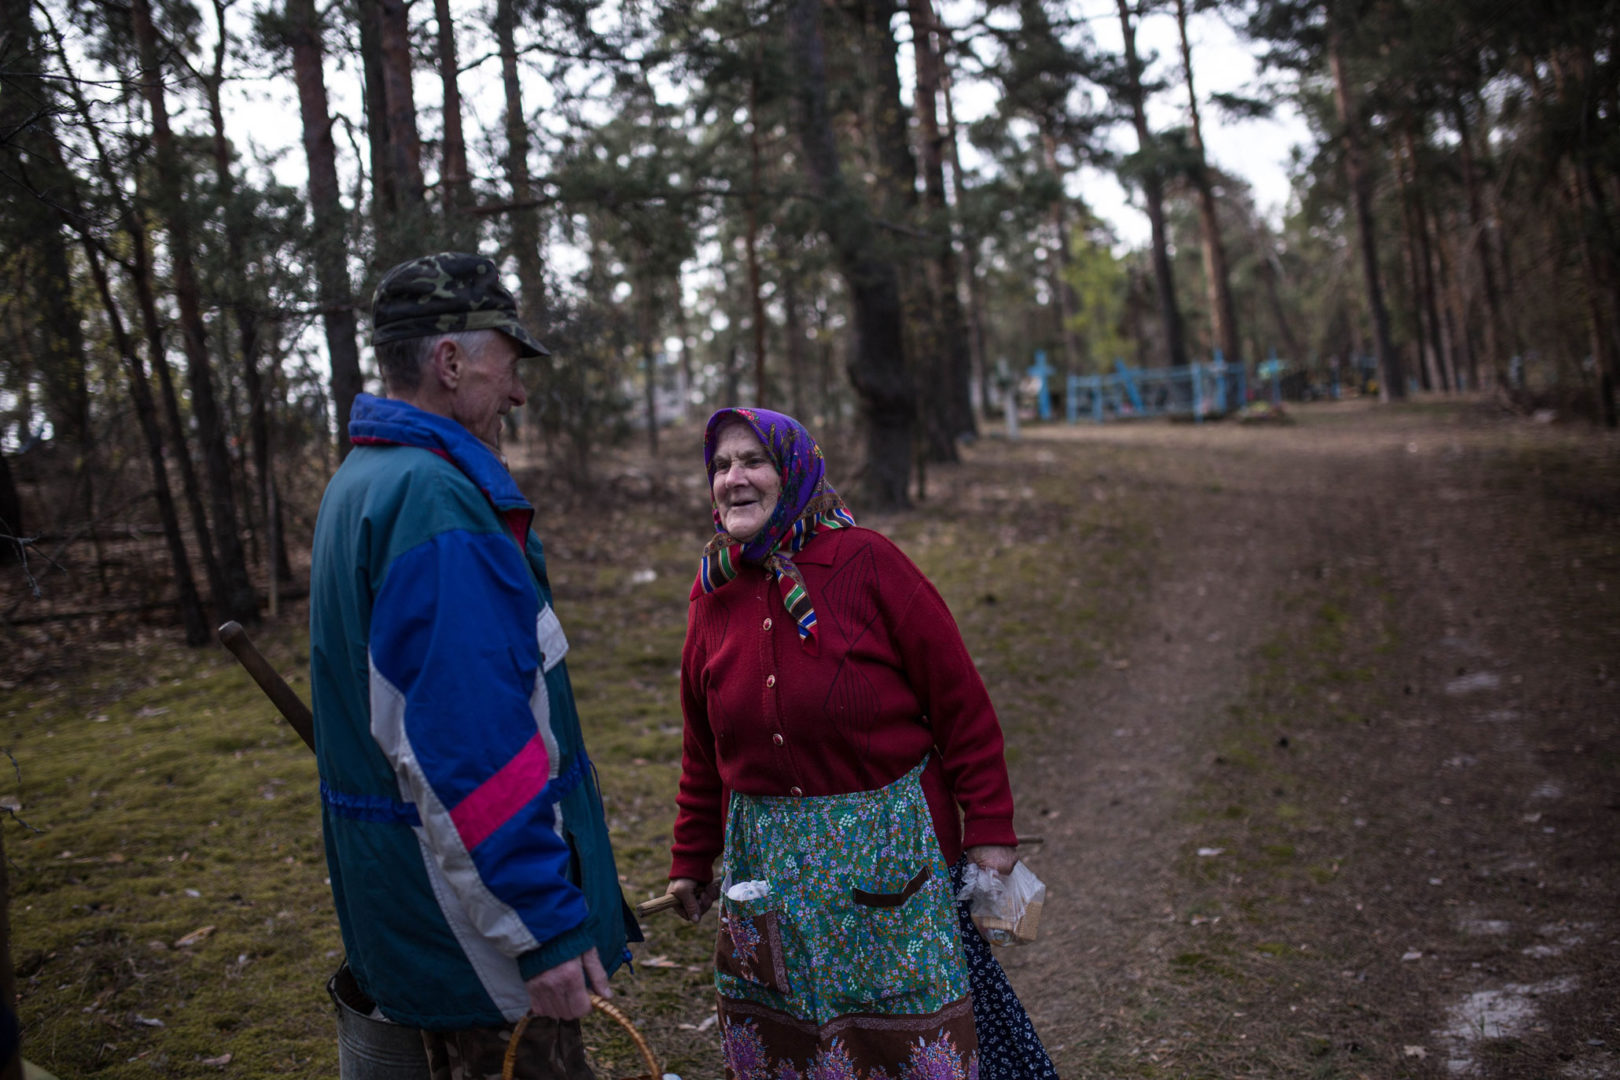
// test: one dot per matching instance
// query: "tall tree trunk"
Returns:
(41, 247)
(957, 359)
(404, 143)
(1217, 277)
(385, 201)
(525, 219)
(1064, 300)
(1428, 362)
(793, 342)
(192, 618)
(970, 247)
(646, 322)
(756, 301)
(877, 367)
(241, 602)
(688, 380)
(460, 229)
(331, 268)
(1269, 273)
(1391, 375)
(140, 274)
(1424, 264)
(895, 166)
(1454, 315)
(242, 309)
(1495, 354)
(11, 515)
(1153, 194)
(1599, 333)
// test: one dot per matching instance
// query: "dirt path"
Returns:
(1343, 804)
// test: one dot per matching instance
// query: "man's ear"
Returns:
(446, 361)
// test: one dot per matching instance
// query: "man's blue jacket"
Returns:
(464, 829)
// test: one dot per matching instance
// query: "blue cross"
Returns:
(1042, 372)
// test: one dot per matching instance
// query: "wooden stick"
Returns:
(282, 696)
(657, 904)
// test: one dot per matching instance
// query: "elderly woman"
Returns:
(841, 752)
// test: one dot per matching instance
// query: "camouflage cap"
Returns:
(443, 294)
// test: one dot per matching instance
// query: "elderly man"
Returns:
(464, 831)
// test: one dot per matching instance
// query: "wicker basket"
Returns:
(608, 1009)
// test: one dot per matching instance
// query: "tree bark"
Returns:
(242, 308)
(970, 248)
(957, 358)
(40, 246)
(384, 184)
(1604, 352)
(331, 269)
(240, 601)
(1153, 194)
(455, 184)
(877, 367)
(11, 515)
(192, 617)
(756, 301)
(1064, 299)
(1392, 376)
(1269, 273)
(1423, 264)
(646, 322)
(1495, 357)
(793, 342)
(140, 273)
(1217, 275)
(895, 167)
(404, 143)
(525, 220)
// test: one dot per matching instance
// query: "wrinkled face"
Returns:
(487, 385)
(745, 482)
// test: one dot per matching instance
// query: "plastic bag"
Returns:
(1007, 910)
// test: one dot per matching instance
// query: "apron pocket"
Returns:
(750, 946)
(893, 899)
(897, 935)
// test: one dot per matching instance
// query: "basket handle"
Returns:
(601, 1005)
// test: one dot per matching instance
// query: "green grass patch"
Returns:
(172, 906)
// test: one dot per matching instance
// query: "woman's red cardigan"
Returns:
(889, 682)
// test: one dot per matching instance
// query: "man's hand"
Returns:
(564, 992)
(993, 857)
(694, 896)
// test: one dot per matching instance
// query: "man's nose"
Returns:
(519, 394)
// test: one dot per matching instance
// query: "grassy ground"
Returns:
(169, 904)
(169, 896)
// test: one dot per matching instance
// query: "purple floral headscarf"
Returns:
(806, 505)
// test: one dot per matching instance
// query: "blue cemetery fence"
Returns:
(1197, 390)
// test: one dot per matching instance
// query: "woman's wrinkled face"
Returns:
(744, 480)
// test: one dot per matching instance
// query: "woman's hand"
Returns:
(993, 857)
(695, 896)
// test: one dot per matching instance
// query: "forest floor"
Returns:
(1318, 725)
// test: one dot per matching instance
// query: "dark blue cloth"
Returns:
(1009, 1049)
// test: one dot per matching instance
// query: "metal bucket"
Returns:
(371, 1049)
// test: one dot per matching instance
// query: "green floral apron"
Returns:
(850, 965)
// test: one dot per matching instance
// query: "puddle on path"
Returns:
(1504, 1013)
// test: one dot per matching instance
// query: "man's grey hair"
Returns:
(402, 361)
